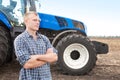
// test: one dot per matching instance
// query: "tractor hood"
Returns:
(60, 23)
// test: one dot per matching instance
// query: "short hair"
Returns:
(29, 13)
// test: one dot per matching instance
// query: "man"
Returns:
(34, 51)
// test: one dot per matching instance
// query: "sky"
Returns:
(101, 17)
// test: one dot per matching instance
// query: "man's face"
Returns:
(33, 22)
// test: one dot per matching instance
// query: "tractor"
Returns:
(77, 54)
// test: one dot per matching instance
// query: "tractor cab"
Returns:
(15, 9)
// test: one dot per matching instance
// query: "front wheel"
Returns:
(76, 54)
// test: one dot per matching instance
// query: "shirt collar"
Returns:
(28, 35)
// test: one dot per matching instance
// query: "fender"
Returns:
(62, 33)
(4, 20)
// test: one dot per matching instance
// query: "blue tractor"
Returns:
(77, 54)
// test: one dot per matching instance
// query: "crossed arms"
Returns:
(39, 60)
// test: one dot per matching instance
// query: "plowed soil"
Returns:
(107, 66)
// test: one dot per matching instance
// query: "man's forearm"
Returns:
(33, 63)
(49, 57)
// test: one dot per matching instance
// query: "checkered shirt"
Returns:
(25, 46)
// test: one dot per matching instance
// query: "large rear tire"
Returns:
(76, 54)
(5, 46)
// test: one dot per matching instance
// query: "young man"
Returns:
(34, 51)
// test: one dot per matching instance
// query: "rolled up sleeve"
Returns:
(21, 51)
(23, 59)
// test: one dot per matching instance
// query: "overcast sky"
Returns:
(102, 17)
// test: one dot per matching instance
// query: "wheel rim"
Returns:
(76, 56)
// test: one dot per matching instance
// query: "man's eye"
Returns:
(36, 20)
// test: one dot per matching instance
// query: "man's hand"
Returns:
(50, 50)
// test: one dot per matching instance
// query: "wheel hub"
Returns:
(75, 55)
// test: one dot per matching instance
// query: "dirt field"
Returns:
(107, 66)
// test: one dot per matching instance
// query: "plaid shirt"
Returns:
(25, 46)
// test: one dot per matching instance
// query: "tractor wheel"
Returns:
(76, 54)
(5, 45)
